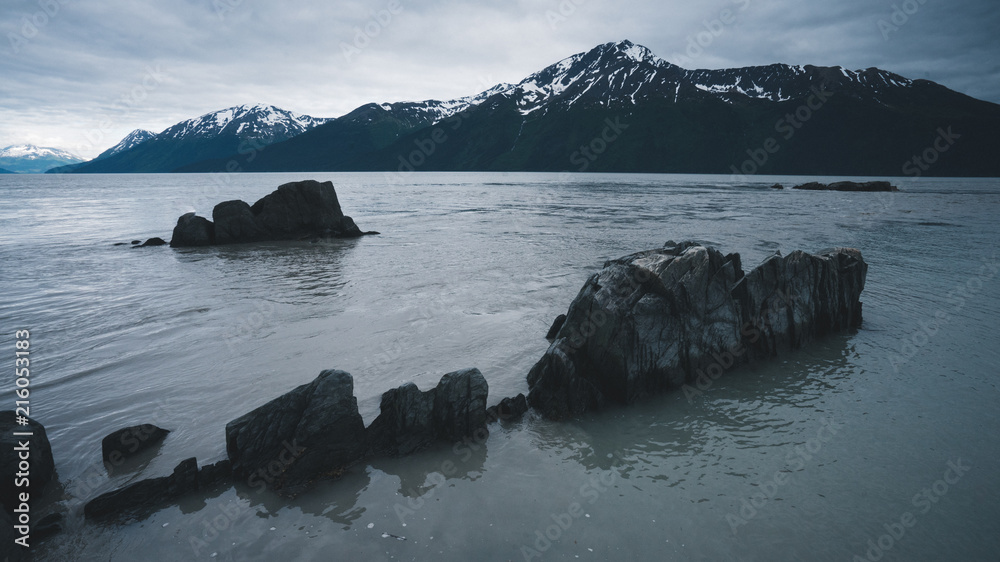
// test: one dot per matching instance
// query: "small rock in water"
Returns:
(371, 525)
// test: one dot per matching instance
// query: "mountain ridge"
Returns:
(31, 159)
(776, 119)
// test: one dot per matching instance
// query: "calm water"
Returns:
(469, 271)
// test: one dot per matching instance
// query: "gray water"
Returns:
(469, 271)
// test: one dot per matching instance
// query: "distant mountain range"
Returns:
(236, 130)
(30, 159)
(615, 108)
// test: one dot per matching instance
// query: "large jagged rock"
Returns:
(41, 467)
(235, 222)
(410, 419)
(142, 498)
(304, 209)
(651, 321)
(192, 230)
(313, 431)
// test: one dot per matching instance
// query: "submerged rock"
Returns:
(41, 467)
(651, 321)
(848, 186)
(122, 444)
(141, 498)
(154, 241)
(297, 210)
(410, 420)
(310, 432)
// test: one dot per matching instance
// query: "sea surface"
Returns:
(882, 444)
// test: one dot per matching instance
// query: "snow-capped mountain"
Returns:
(243, 129)
(130, 141)
(31, 159)
(617, 107)
(262, 122)
(623, 73)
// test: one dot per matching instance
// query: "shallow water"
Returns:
(469, 271)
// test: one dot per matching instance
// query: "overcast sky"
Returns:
(80, 75)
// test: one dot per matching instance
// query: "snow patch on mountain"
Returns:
(32, 152)
(258, 120)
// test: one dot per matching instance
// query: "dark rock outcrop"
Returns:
(313, 431)
(297, 210)
(154, 241)
(410, 420)
(235, 222)
(848, 186)
(508, 410)
(651, 321)
(122, 444)
(192, 230)
(556, 325)
(777, 186)
(142, 498)
(41, 467)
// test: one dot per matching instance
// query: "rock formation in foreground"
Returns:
(848, 186)
(649, 322)
(315, 432)
(410, 419)
(297, 210)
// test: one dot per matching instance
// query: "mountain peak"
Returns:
(134, 138)
(32, 152)
(630, 50)
(31, 159)
(259, 120)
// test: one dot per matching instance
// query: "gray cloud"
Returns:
(82, 80)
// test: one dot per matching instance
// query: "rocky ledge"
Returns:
(315, 432)
(658, 319)
(297, 210)
(848, 186)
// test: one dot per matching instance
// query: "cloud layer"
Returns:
(81, 75)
